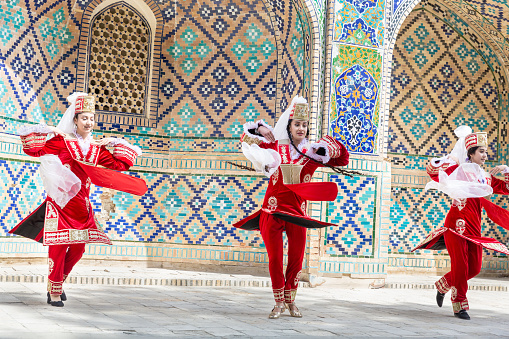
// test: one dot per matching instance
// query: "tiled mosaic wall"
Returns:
(354, 213)
(415, 213)
(355, 83)
(215, 64)
(439, 82)
(481, 31)
(198, 210)
(180, 209)
(354, 90)
(220, 63)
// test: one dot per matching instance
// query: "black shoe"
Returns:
(59, 303)
(440, 298)
(63, 297)
(462, 314)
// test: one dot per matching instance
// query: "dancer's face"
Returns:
(84, 123)
(480, 156)
(299, 129)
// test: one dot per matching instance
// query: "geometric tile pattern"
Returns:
(199, 144)
(354, 213)
(290, 19)
(491, 46)
(187, 210)
(439, 82)
(216, 64)
(23, 192)
(441, 78)
(465, 18)
(494, 12)
(36, 60)
(177, 209)
(478, 22)
(220, 62)
(354, 101)
(492, 17)
(416, 212)
(359, 22)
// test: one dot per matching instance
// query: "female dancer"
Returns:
(65, 221)
(464, 180)
(290, 160)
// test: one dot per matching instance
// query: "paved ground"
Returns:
(339, 307)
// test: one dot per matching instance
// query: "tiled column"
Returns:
(353, 114)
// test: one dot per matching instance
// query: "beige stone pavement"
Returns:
(127, 302)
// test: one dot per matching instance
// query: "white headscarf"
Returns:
(460, 150)
(280, 132)
(466, 181)
(66, 124)
(60, 183)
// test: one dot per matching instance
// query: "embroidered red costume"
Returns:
(67, 229)
(284, 206)
(461, 234)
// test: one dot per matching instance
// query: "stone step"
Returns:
(432, 287)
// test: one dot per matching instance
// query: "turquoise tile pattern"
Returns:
(416, 212)
(354, 213)
(221, 64)
(217, 67)
(439, 82)
(180, 209)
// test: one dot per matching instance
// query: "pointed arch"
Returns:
(151, 13)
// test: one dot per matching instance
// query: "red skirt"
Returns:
(435, 241)
(52, 225)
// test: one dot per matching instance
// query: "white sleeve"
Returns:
(120, 141)
(321, 158)
(28, 129)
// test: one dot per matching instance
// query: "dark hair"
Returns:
(471, 151)
(77, 114)
(335, 169)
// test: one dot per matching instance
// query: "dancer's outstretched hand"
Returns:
(453, 158)
(266, 133)
(104, 141)
(498, 169)
(56, 131)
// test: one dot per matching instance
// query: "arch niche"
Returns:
(445, 71)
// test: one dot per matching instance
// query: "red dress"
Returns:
(66, 230)
(461, 235)
(284, 206)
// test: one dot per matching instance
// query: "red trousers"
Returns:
(62, 259)
(284, 286)
(466, 263)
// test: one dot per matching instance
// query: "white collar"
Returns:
(84, 143)
(293, 153)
